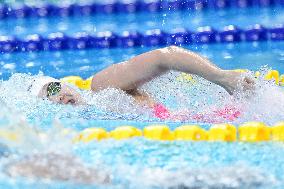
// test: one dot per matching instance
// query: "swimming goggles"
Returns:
(53, 88)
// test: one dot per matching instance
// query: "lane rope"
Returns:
(225, 132)
(247, 132)
(18, 10)
(150, 38)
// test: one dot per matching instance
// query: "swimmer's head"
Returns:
(54, 90)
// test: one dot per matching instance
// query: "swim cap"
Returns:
(38, 83)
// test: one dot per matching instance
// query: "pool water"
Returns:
(87, 62)
(166, 20)
(141, 163)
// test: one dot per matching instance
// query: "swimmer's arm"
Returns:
(131, 74)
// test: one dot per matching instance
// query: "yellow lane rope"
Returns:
(247, 132)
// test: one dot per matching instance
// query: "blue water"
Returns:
(140, 163)
(269, 17)
(87, 62)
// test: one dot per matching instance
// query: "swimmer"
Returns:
(131, 74)
(58, 167)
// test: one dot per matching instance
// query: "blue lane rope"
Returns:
(150, 38)
(125, 6)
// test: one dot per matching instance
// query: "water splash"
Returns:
(105, 104)
(232, 177)
(38, 143)
(202, 97)
(31, 155)
(197, 100)
(18, 134)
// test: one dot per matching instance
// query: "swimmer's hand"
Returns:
(234, 81)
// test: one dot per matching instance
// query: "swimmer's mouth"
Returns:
(71, 101)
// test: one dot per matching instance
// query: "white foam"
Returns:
(228, 177)
(266, 104)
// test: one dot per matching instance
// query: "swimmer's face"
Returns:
(60, 93)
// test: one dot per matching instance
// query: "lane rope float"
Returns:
(225, 132)
(247, 132)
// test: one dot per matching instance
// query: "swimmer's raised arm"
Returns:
(131, 74)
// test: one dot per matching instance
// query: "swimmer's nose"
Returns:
(67, 99)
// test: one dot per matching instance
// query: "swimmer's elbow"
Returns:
(167, 55)
(163, 54)
(171, 49)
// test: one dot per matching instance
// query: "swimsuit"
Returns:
(228, 113)
(160, 111)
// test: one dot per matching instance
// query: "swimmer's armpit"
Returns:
(56, 167)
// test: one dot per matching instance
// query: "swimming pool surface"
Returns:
(87, 62)
(141, 163)
(166, 20)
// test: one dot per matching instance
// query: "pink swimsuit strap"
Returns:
(228, 113)
(160, 111)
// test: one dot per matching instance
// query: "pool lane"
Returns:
(87, 62)
(167, 20)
